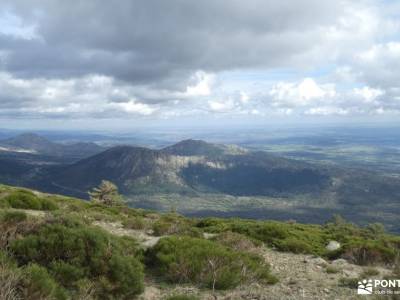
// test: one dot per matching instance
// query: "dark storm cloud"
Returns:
(172, 58)
(162, 42)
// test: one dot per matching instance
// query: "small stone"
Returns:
(319, 261)
(349, 273)
(339, 261)
(332, 246)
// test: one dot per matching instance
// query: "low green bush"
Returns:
(137, 223)
(349, 282)
(237, 241)
(369, 272)
(282, 236)
(13, 217)
(368, 245)
(294, 245)
(47, 204)
(175, 224)
(10, 278)
(24, 199)
(209, 264)
(370, 252)
(71, 253)
(39, 284)
(332, 270)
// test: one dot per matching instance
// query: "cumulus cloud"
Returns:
(92, 94)
(172, 58)
(301, 93)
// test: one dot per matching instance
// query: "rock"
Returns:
(340, 261)
(209, 235)
(350, 273)
(332, 246)
(150, 293)
(315, 260)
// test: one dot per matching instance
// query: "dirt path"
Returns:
(117, 229)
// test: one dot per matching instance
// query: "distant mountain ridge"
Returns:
(36, 144)
(193, 166)
(201, 178)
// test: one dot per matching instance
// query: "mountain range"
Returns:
(205, 174)
(34, 144)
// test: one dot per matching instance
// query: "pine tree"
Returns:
(106, 193)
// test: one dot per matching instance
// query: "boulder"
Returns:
(332, 246)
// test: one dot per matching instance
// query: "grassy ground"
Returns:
(58, 247)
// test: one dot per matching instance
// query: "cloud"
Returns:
(301, 93)
(176, 58)
(91, 95)
(202, 84)
(152, 41)
(379, 65)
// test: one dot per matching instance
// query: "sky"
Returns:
(126, 63)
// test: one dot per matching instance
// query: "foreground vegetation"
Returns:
(50, 248)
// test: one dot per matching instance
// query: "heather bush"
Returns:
(13, 217)
(71, 253)
(365, 246)
(39, 284)
(175, 224)
(237, 241)
(134, 223)
(10, 278)
(24, 199)
(294, 245)
(203, 262)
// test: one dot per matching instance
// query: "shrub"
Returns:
(282, 236)
(369, 253)
(126, 273)
(9, 278)
(134, 223)
(332, 270)
(369, 272)
(267, 232)
(174, 224)
(47, 204)
(294, 245)
(237, 241)
(203, 262)
(376, 228)
(24, 199)
(349, 282)
(75, 253)
(39, 284)
(13, 217)
(13, 224)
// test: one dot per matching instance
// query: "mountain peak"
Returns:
(192, 147)
(192, 143)
(34, 143)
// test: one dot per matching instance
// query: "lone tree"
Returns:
(106, 193)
